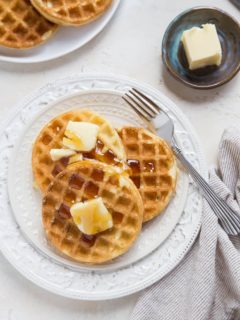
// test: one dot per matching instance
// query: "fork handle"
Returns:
(229, 219)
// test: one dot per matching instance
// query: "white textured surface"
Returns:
(130, 45)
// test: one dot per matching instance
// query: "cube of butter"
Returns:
(202, 46)
(80, 136)
(91, 216)
(57, 154)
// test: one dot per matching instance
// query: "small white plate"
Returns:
(64, 41)
(23, 243)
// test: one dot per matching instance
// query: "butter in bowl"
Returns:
(201, 47)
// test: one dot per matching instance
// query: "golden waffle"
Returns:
(153, 167)
(109, 148)
(69, 12)
(83, 181)
(21, 26)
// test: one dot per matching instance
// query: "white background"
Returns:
(130, 45)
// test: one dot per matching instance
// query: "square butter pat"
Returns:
(91, 216)
(202, 46)
(57, 154)
(75, 158)
(80, 136)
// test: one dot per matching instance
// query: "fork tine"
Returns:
(139, 105)
(146, 108)
(139, 112)
(151, 104)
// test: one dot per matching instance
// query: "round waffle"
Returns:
(153, 168)
(21, 26)
(68, 12)
(83, 181)
(109, 147)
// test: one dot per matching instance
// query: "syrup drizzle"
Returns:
(136, 180)
(97, 175)
(149, 166)
(88, 239)
(64, 211)
(56, 170)
(76, 181)
(64, 161)
(134, 165)
(91, 189)
(58, 167)
(98, 154)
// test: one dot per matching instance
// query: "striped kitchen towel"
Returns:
(236, 3)
(206, 285)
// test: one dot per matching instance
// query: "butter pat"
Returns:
(202, 46)
(91, 216)
(57, 154)
(80, 136)
(75, 158)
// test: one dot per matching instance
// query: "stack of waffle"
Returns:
(133, 171)
(28, 23)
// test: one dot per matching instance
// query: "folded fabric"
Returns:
(236, 3)
(206, 284)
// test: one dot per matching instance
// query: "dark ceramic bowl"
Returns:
(174, 56)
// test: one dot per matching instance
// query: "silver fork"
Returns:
(162, 123)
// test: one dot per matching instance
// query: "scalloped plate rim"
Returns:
(10, 185)
(83, 296)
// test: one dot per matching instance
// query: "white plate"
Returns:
(27, 251)
(64, 41)
(26, 201)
